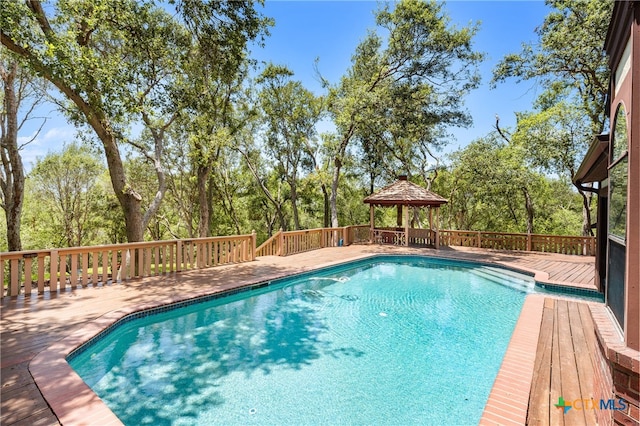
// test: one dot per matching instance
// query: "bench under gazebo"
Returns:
(404, 195)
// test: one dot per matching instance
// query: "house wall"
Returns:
(617, 362)
(627, 92)
(632, 336)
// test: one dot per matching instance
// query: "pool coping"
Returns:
(508, 401)
(73, 402)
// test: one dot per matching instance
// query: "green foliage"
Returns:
(486, 183)
(64, 188)
(404, 90)
(568, 59)
(289, 113)
(555, 138)
(4, 241)
(570, 63)
(237, 155)
(123, 62)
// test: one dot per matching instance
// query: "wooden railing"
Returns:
(422, 237)
(576, 245)
(292, 242)
(271, 247)
(82, 266)
(396, 236)
(389, 236)
(358, 234)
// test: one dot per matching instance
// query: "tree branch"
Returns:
(36, 7)
(502, 134)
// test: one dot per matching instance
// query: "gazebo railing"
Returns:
(389, 236)
(422, 237)
(396, 236)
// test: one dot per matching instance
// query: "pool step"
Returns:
(505, 277)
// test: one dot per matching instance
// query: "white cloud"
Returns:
(50, 139)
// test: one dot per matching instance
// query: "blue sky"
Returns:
(331, 30)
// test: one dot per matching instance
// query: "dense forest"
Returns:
(181, 134)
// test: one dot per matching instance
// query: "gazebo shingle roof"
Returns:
(405, 193)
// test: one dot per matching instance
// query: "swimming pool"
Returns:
(388, 340)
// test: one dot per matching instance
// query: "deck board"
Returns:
(556, 417)
(584, 365)
(568, 369)
(539, 396)
(564, 366)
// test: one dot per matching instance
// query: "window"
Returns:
(618, 175)
(617, 220)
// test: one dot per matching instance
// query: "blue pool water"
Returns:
(383, 341)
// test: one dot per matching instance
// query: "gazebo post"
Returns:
(399, 215)
(437, 232)
(431, 222)
(371, 222)
(406, 226)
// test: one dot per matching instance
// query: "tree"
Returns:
(19, 89)
(553, 140)
(489, 187)
(570, 64)
(67, 182)
(117, 60)
(568, 60)
(290, 113)
(416, 79)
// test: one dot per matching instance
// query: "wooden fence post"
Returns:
(281, 243)
(2, 276)
(53, 271)
(27, 275)
(178, 255)
(528, 242)
(479, 240)
(40, 274)
(254, 244)
(14, 286)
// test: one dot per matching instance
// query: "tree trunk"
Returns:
(202, 179)
(325, 196)
(276, 203)
(323, 188)
(529, 207)
(337, 161)
(294, 203)
(333, 200)
(158, 153)
(586, 213)
(13, 184)
(129, 199)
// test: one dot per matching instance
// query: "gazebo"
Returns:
(404, 194)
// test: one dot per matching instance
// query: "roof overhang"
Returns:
(389, 203)
(594, 165)
(404, 193)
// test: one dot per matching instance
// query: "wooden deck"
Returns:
(563, 366)
(30, 326)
